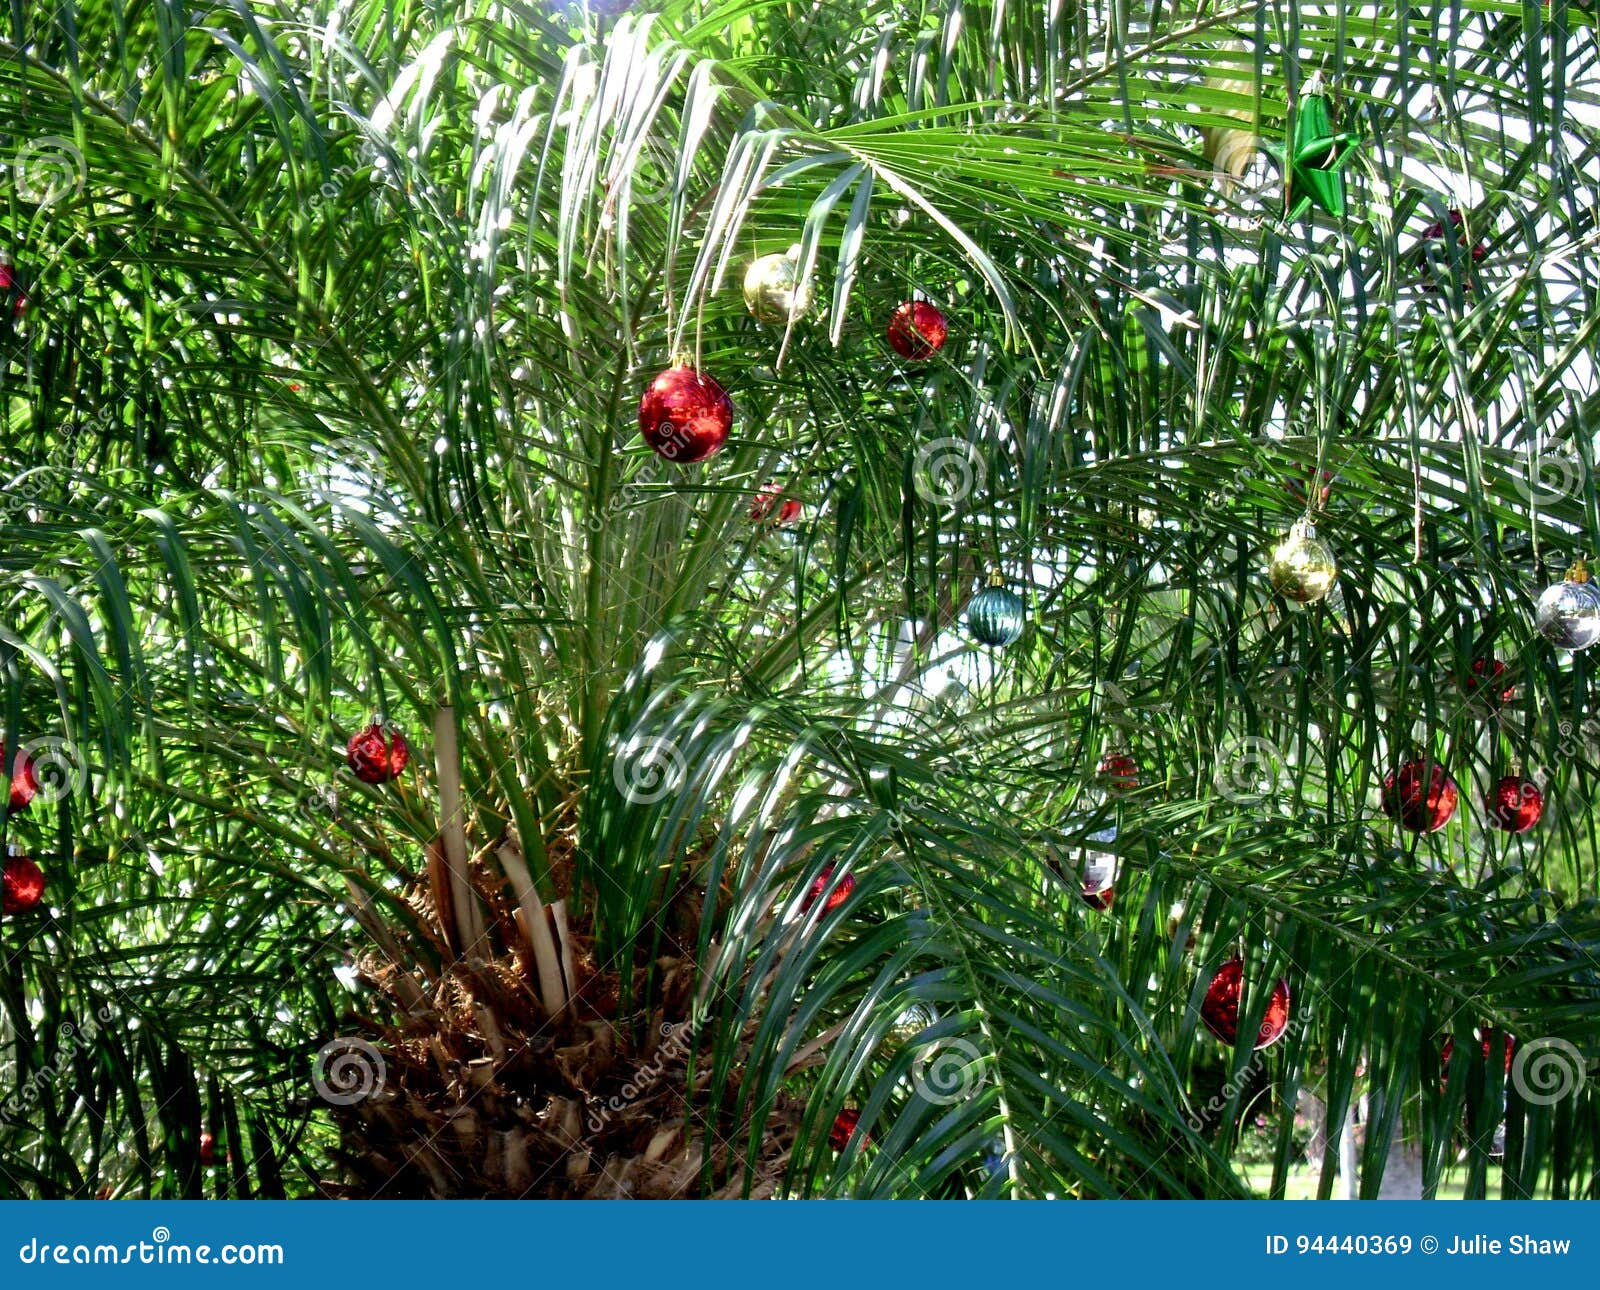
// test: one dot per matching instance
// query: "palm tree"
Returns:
(727, 860)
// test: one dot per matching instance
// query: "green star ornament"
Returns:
(1313, 158)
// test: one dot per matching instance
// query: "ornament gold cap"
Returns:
(1578, 571)
(996, 578)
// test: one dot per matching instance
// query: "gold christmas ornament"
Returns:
(1303, 567)
(773, 292)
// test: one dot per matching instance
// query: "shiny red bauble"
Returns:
(377, 754)
(1486, 674)
(1220, 1008)
(23, 885)
(1435, 233)
(9, 286)
(1298, 488)
(917, 330)
(844, 1127)
(1514, 804)
(208, 1150)
(836, 897)
(24, 783)
(684, 415)
(1420, 795)
(1118, 770)
(1099, 897)
(762, 503)
(1449, 1046)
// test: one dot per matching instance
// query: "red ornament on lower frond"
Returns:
(844, 1128)
(1118, 770)
(24, 783)
(1300, 489)
(1220, 1007)
(1514, 804)
(1435, 232)
(1486, 677)
(770, 496)
(23, 885)
(684, 415)
(11, 289)
(1420, 795)
(208, 1150)
(917, 330)
(377, 754)
(839, 893)
(1099, 898)
(1486, 1047)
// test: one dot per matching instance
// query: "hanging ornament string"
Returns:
(1323, 374)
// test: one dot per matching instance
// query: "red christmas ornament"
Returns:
(1298, 488)
(844, 1127)
(23, 886)
(1119, 771)
(1449, 1046)
(1514, 804)
(1487, 672)
(1420, 795)
(840, 893)
(1220, 1008)
(1098, 898)
(685, 416)
(24, 783)
(762, 503)
(9, 286)
(208, 1150)
(377, 754)
(917, 330)
(1435, 233)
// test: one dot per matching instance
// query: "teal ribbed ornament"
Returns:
(996, 616)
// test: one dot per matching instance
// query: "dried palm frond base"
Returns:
(483, 1095)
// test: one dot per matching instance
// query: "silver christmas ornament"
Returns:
(1568, 614)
